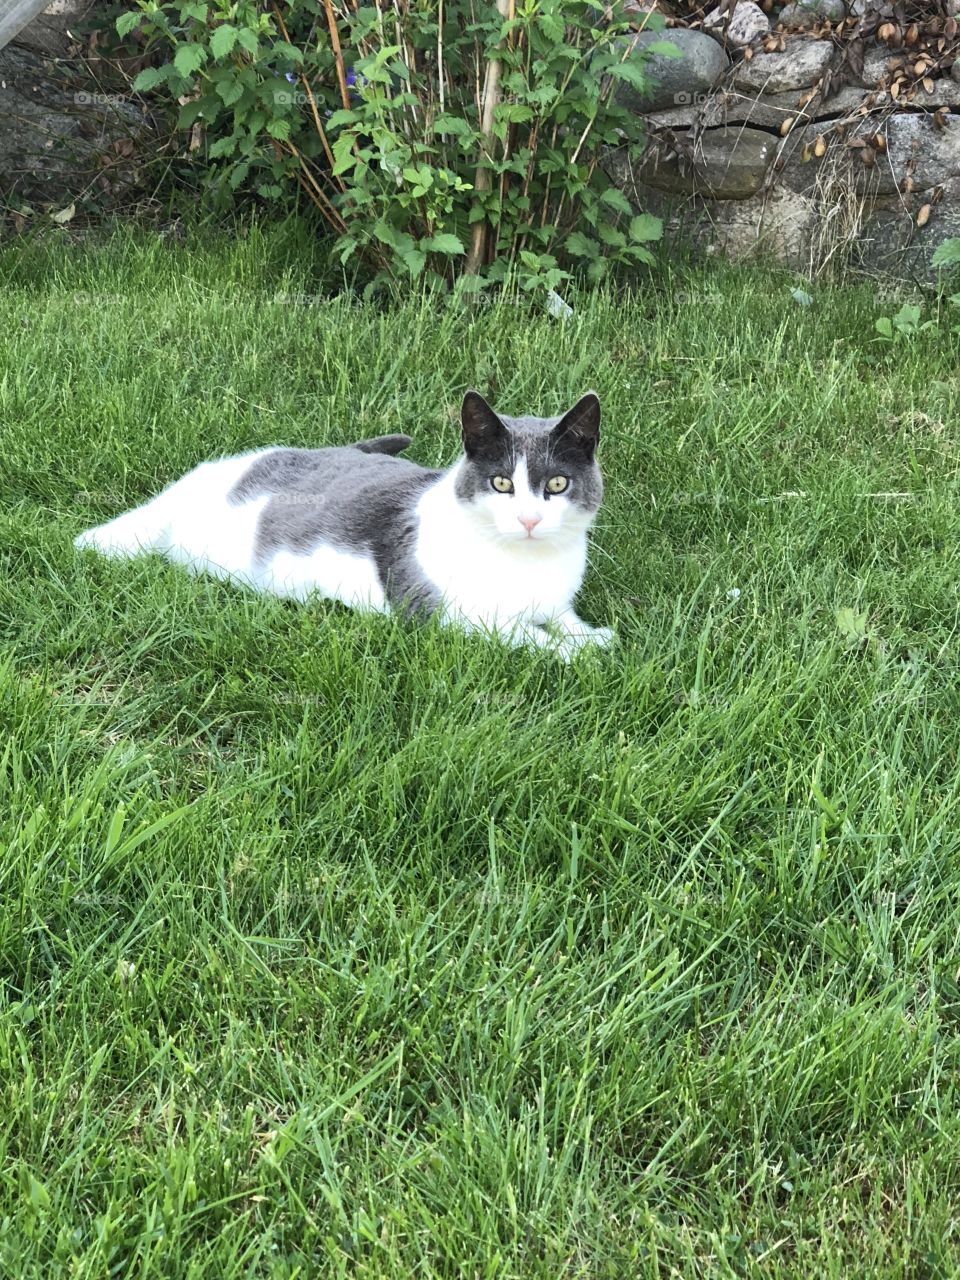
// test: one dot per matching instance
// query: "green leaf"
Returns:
(853, 625)
(342, 117)
(617, 200)
(247, 39)
(149, 78)
(947, 254)
(443, 242)
(455, 126)
(414, 260)
(127, 22)
(611, 236)
(189, 113)
(223, 40)
(189, 58)
(38, 1195)
(908, 317)
(884, 327)
(279, 129)
(387, 233)
(646, 227)
(664, 49)
(581, 246)
(230, 90)
(223, 147)
(343, 154)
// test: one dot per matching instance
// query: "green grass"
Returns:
(332, 947)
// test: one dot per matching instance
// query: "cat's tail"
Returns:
(383, 444)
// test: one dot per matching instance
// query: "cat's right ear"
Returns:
(482, 429)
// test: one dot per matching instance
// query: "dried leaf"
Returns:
(786, 126)
(63, 216)
(854, 56)
(820, 147)
(806, 153)
(895, 90)
(869, 157)
(923, 217)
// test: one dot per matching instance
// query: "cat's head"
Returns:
(530, 479)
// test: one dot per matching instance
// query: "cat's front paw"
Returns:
(574, 644)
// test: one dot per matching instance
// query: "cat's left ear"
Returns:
(579, 428)
(483, 432)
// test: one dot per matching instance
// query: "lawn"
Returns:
(331, 946)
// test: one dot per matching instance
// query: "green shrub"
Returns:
(438, 139)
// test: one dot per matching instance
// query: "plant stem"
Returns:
(484, 181)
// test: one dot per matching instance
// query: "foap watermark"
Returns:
(84, 99)
(696, 298)
(297, 299)
(99, 498)
(96, 300)
(685, 99)
(293, 98)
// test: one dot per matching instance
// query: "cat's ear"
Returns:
(482, 429)
(579, 428)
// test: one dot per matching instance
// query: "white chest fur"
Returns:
(484, 579)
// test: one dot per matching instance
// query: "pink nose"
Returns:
(529, 522)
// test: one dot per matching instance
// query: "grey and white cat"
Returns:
(498, 542)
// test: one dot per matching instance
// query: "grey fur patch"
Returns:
(353, 498)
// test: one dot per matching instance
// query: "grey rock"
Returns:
(891, 242)
(730, 164)
(800, 64)
(876, 66)
(780, 226)
(675, 82)
(54, 29)
(52, 133)
(748, 23)
(810, 13)
(915, 147)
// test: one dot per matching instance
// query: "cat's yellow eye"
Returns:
(502, 484)
(557, 484)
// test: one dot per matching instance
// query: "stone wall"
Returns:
(69, 130)
(820, 132)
